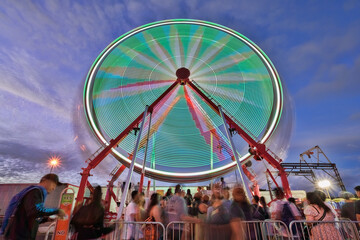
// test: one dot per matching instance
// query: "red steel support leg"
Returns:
(108, 197)
(141, 182)
(115, 142)
(261, 148)
(131, 168)
(272, 177)
(236, 156)
(84, 179)
(113, 196)
(148, 188)
(110, 188)
(251, 177)
(145, 155)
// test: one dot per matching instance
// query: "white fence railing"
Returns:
(324, 230)
(234, 230)
(251, 230)
(138, 230)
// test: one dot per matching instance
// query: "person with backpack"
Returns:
(282, 210)
(265, 207)
(88, 221)
(259, 212)
(26, 210)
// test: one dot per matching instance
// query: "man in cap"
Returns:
(26, 209)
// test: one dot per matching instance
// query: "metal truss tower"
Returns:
(317, 160)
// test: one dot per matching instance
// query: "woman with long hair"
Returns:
(154, 210)
(154, 213)
(89, 219)
(318, 211)
(265, 207)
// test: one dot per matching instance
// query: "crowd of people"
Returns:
(226, 209)
(221, 215)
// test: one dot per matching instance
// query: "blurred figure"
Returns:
(318, 211)
(141, 214)
(154, 213)
(188, 198)
(258, 213)
(26, 209)
(240, 207)
(88, 221)
(154, 210)
(177, 211)
(182, 194)
(322, 196)
(237, 214)
(131, 214)
(292, 201)
(218, 217)
(168, 194)
(163, 202)
(348, 209)
(226, 201)
(194, 210)
(265, 207)
(218, 214)
(280, 209)
(137, 186)
(223, 183)
(206, 200)
(199, 189)
(357, 203)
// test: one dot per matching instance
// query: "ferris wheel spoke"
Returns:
(211, 53)
(225, 62)
(176, 44)
(193, 50)
(130, 90)
(160, 118)
(159, 50)
(222, 65)
(200, 118)
(146, 60)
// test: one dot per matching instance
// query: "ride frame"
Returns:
(183, 79)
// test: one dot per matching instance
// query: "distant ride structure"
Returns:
(196, 99)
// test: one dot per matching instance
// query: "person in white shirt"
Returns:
(276, 206)
(131, 212)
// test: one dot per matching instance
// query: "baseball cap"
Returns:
(357, 188)
(52, 177)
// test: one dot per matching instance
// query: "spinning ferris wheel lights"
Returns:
(233, 86)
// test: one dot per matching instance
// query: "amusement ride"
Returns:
(183, 101)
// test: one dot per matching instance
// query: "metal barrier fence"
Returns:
(254, 230)
(251, 230)
(324, 230)
(137, 230)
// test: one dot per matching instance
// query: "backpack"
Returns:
(286, 215)
(257, 214)
(14, 203)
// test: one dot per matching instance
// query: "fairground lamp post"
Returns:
(325, 184)
(53, 162)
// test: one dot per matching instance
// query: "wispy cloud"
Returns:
(47, 48)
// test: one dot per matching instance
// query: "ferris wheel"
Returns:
(191, 96)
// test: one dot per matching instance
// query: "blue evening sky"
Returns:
(47, 47)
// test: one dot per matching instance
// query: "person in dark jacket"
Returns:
(89, 219)
(29, 213)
